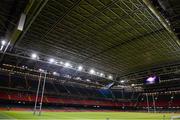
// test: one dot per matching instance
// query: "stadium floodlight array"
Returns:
(47, 59)
(67, 64)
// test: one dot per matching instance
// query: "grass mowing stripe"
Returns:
(88, 116)
(4, 116)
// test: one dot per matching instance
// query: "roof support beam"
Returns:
(157, 14)
(160, 18)
(17, 34)
(121, 44)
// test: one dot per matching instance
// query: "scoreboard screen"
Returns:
(152, 80)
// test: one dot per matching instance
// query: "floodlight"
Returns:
(41, 70)
(80, 68)
(67, 76)
(3, 42)
(110, 77)
(78, 78)
(54, 73)
(91, 71)
(122, 81)
(101, 74)
(51, 60)
(67, 64)
(34, 56)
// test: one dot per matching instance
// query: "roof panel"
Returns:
(115, 36)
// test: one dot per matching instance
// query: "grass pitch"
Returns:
(19, 115)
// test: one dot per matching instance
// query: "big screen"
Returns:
(152, 80)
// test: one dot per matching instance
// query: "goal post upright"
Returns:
(37, 94)
(147, 100)
(154, 103)
(42, 93)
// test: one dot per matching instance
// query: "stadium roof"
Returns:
(116, 36)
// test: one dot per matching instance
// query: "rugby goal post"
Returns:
(175, 117)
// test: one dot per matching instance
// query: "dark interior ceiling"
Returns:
(117, 36)
(10, 11)
(170, 9)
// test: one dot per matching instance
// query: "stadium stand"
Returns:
(77, 55)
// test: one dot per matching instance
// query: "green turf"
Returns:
(84, 115)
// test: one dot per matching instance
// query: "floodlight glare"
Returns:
(101, 74)
(110, 77)
(88, 80)
(78, 78)
(91, 71)
(3, 42)
(67, 64)
(51, 60)
(122, 81)
(34, 56)
(41, 70)
(80, 68)
(54, 73)
(61, 62)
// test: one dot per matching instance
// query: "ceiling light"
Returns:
(78, 78)
(91, 71)
(3, 42)
(34, 56)
(122, 81)
(51, 60)
(110, 77)
(101, 74)
(54, 73)
(67, 76)
(80, 68)
(67, 64)
(88, 80)
(41, 70)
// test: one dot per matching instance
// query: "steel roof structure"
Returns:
(115, 36)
